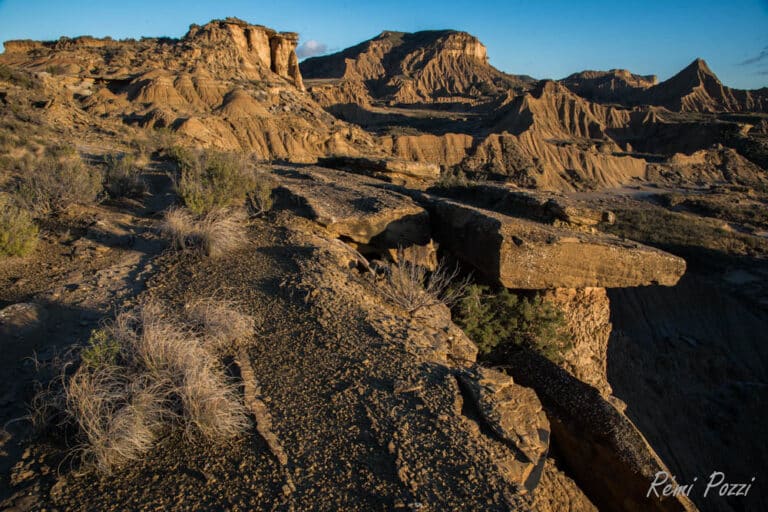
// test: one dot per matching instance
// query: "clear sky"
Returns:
(545, 39)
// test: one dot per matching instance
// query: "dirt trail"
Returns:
(60, 294)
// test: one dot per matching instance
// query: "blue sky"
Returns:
(543, 39)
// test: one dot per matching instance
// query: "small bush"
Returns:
(55, 69)
(59, 151)
(450, 179)
(123, 177)
(7, 142)
(215, 233)
(497, 321)
(215, 180)
(55, 184)
(18, 231)
(163, 140)
(183, 157)
(103, 350)
(413, 287)
(260, 198)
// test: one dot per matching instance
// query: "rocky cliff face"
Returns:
(226, 84)
(587, 313)
(250, 48)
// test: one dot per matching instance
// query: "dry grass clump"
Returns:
(144, 371)
(54, 184)
(119, 419)
(215, 233)
(221, 322)
(175, 356)
(413, 287)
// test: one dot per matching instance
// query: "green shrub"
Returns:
(55, 69)
(55, 184)
(18, 232)
(499, 321)
(451, 178)
(123, 177)
(184, 158)
(163, 139)
(103, 350)
(215, 180)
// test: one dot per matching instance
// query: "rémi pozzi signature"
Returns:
(664, 485)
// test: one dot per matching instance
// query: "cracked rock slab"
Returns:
(524, 254)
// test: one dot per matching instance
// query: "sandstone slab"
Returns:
(524, 254)
(398, 171)
(358, 210)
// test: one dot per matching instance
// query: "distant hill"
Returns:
(614, 86)
(694, 89)
(421, 67)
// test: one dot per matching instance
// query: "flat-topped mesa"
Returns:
(462, 43)
(430, 66)
(63, 43)
(524, 254)
(255, 45)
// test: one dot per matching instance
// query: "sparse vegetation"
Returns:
(123, 177)
(15, 76)
(685, 234)
(182, 156)
(214, 233)
(452, 178)
(54, 184)
(118, 419)
(55, 69)
(142, 372)
(413, 287)
(18, 231)
(259, 199)
(214, 180)
(498, 321)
